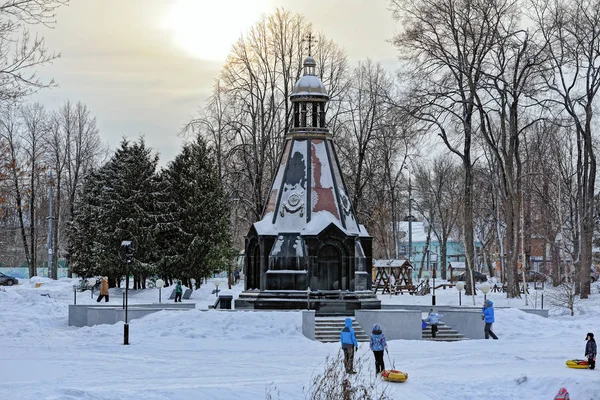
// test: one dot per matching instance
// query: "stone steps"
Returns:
(444, 334)
(327, 330)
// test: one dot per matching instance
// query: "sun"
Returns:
(207, 29)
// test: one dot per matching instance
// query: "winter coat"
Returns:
(347, 335)
(104, 287)
(433, 318)
(178, 288)
(378, 342)
(562, 395)
(590, 348)
(488, 312)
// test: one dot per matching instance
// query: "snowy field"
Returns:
(240, 355)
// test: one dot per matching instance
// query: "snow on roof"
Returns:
(265, 226)
(457, 265)
(319, 221)
(309, 85)
(389, 263)
(287, 209)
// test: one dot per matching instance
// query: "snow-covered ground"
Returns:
(240, 355)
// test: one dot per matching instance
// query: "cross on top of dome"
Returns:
(310, 39)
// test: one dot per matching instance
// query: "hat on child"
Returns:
(589, 335)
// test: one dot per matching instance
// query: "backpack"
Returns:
(562, 395)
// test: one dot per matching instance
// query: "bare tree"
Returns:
(79, 139)
(563, 296)
(11, 124)
(34, 131)
(448, 45)
(249, 112)
(19, 52)
(438, 190)
(365, 110)
(572, 30)
(56, 155)
(513, 78)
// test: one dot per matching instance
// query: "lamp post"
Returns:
(159, 284)
(460, 285)
(433, 293)
(91, 284)
(485, 288)
(126, 255)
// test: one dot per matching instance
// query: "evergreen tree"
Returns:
(123, 200)
(201, 245)
(81, 230)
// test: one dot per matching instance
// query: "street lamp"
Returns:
(460, 285)
(433, 293)
(159, 284)
(92, 283)
(485, 288)
(126, 255)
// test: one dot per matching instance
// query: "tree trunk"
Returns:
(443, 256)
(56, 222)
(468, 223)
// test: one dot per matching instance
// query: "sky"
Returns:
(145, 67)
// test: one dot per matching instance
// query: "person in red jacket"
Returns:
(562, 395)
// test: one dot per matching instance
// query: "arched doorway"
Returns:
(253, 272)
(327, 274)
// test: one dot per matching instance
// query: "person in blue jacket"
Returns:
(488, 317)
(378, 345)
(433, 318)
(349, 344)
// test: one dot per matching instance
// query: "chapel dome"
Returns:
(309, 85)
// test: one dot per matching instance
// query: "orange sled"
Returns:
(392, 375)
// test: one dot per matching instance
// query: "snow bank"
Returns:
(223, 325)
(226, 355)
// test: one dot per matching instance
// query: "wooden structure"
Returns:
(394, 279)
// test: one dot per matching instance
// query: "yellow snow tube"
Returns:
(392, 375)
(579, 364)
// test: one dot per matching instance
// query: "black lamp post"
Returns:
(126, 254)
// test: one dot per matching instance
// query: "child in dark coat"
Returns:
(590, 350)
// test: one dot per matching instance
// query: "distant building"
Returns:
(455, 251)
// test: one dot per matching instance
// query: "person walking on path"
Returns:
(236, 276)
(590, 350)
(488, 317)
(103, 289)
(349, 344)
(178, 292)
(378, 345)
(433, 318)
